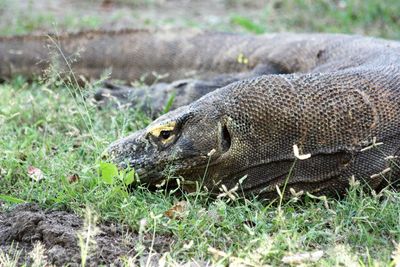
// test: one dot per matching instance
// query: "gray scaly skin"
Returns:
(335, 97)
(341, 101)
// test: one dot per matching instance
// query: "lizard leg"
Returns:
(153, 99)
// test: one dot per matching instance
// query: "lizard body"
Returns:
(249, 102)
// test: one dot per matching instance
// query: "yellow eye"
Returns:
(163, 131)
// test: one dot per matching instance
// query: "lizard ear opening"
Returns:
(225, 139)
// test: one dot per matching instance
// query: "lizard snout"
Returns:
(130, 151)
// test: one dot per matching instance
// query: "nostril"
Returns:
(98, 96)
(105, 155)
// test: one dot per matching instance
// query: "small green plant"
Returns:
(38, 255)
(169, 103)
(109, 174)
(86, 237)
(10, 258)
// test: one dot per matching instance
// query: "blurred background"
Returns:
(370, 17)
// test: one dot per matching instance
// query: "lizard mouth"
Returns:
(149, 176)
(155, 180)
(152, 175)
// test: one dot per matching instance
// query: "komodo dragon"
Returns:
(306, 110)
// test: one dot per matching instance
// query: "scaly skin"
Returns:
(341, 101)
(336, 97)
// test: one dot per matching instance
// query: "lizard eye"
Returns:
(165, 134)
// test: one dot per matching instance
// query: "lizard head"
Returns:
(188, 139)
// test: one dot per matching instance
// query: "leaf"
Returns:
(177, 210)
(73, 178)
(119, 191)
(108, 172)
(35, 173)
(12, 199)
(129, 177)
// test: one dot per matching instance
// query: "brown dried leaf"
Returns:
(35, 173)
(177, 211)
(73, 178)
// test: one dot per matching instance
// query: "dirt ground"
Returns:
(27, 224)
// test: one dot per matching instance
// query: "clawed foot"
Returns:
(112, 93)
(153, 99)
(148, 99)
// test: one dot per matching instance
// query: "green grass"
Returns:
(50, 126)
(370, 17)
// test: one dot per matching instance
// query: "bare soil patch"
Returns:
(27, 224)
